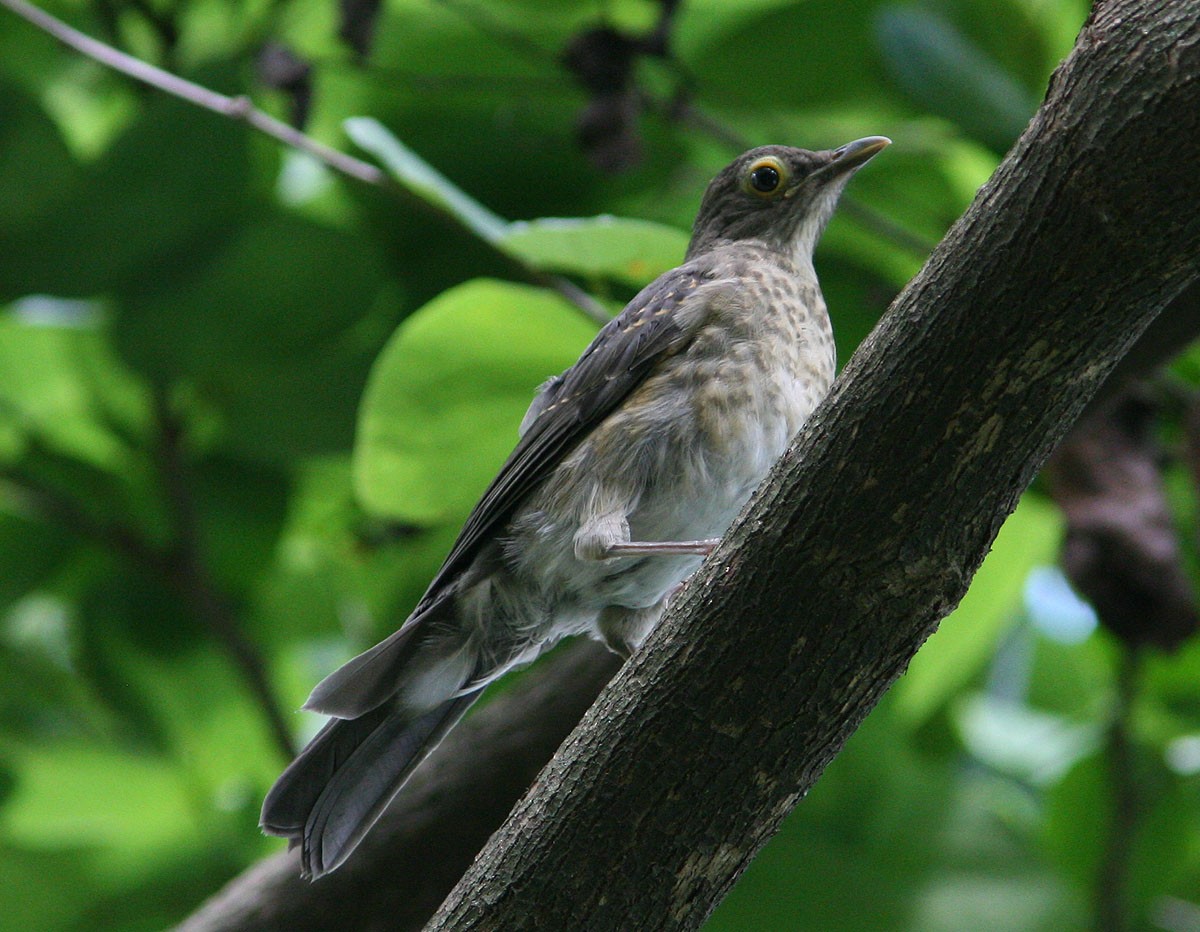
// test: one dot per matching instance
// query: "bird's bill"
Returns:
(859, 152)
(852, 156)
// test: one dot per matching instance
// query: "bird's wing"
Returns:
(652, 326)
(655, 324)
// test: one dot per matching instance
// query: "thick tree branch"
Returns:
(1167, 336)
(869, 531)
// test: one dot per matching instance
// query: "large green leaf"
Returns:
(276, 330)
(62, 878)
(946, 73)
(36, 169)
(629, 251)
(780, 56)
(444, 400)
(71, 794)
(146, 210)
(423, 180)
(273, 289)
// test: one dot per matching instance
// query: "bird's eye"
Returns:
(766, 177)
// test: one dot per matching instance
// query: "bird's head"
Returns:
(779, 195)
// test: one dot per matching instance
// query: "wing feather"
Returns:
(655, 324)
(568, 406)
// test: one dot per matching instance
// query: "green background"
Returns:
(226, 372)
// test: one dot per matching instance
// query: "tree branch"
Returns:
(870, 529)
(181, 566)
(185, 568)
(1168, 334)
(1112, 892)
(238, 108)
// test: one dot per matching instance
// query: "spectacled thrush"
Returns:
(629, 467)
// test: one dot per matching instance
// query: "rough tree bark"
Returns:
(862, 541)
(870, 529)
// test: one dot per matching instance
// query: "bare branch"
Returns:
(1113, 880)
(180, 567)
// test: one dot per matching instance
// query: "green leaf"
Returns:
(276, 329)
(605, 247)
(62, 384)
(66, 872)
(811, 54)
(30, 551)
(36, 169)
(1025, 743)
(423, 180)
(70, 794)
(966, 640)
(445, 398)
(145, 211)
(945, 72)
(274, 289)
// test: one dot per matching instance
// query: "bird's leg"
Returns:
(638, 548)
(606, 536)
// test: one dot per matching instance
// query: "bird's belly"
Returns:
(682, 476)
(696, 496)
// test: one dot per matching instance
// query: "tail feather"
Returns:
(370, 679)
(340, 784)
(290, 800)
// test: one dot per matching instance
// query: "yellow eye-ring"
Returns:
(766, 177)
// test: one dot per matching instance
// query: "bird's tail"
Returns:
(380, 730)
(339, 785)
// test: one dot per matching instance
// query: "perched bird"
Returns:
(629, 467)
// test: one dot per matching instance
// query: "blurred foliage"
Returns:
(239, 394)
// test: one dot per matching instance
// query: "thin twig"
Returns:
(1112, 878)
(238, 108)
(189, 572)
(178, 567)
(886, 228)
(51, 505)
